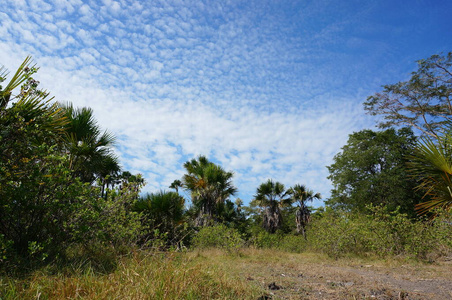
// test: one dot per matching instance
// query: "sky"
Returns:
(266, 89)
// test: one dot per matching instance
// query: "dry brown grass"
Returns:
(315, 276)
(142, 276)
(246, 274)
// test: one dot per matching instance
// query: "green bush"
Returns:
(337, 234)
(264, 239)
(382, 233)
(44, 210)
(280, 241)
(218, 236)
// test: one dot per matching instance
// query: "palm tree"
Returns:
(162, 210)
(90, 149)
(271, 196)
(431, 165)
(176, 184)
(300, 194)
(209, 184)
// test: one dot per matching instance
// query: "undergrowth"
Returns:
(142, 275)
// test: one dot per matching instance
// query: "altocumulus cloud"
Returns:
(267, 90)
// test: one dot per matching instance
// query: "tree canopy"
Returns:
(423, 102)
(271, 196)
(209, 184)
(371, 169)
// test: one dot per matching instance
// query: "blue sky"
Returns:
(267, 89)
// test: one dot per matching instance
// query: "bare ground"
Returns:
(308, 276)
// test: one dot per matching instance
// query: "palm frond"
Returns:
(431, 165)
(18, 79)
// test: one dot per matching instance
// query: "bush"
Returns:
(48, 211)
(383, 233)
(218, 236)
(280, 241)
(336, 234)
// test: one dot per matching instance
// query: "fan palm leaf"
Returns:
(90, 149)
(431, 165)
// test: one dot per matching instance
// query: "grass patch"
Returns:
(144, 275)
(217, 273)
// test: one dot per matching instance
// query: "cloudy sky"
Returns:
(267, 89)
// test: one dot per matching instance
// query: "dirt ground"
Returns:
(302, 277)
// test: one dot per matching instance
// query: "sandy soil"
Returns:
(301, 278)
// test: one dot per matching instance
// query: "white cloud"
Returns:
(262, 91)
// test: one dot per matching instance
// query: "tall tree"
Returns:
(300, 195)
(423, 102)
(271, 196)
(209, 185)
(371, 169)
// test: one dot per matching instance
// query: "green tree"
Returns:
(210, 185)
(34, 190)
(371, 169)
(43, 207)
(423, 102)
(300, 195)
(176, 184)
(271, 196)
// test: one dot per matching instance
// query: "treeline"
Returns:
(63, 193)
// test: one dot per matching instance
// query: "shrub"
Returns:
(280, 241)
(336, 234)
(382, 233)
(218, 236)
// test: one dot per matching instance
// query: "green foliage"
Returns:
(23, 79)
(163, 209)
(279, 240)
(108, 221)
(163, 218)
(371, 169)
(232, 215)
(271, 197)
(422, 102)
(210, 186)
(44, 207)
(300, 195)
(89, 148)
(431, 165)
(218, 236)
(383, 233)
(36, 205)
(36, 188)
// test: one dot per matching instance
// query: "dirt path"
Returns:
(298, 277)
(333, 282)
